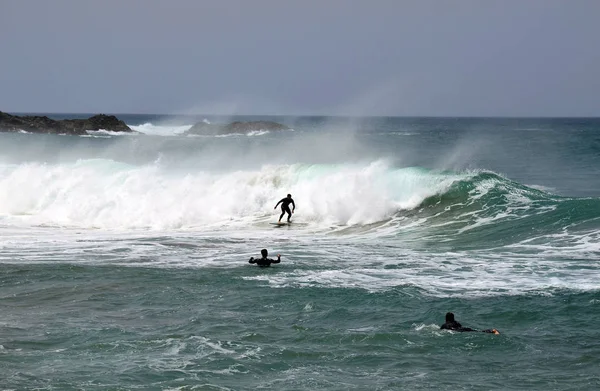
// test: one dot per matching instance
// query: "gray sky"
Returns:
(355, 57)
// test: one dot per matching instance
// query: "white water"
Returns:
(100, 193)
(160, 130)
(312, 260)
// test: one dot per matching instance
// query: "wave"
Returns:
(488, 208)
(102, 193)
(166, 130)
(472, 207)
(160, 130)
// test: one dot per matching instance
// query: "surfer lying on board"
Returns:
(264, 261)
(453, 325)
(285, 207)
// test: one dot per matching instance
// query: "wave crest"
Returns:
(102, 193)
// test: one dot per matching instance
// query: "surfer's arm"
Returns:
(293, 206)
(277, 204)
(278, 260)
(491, 331)
(251, 260)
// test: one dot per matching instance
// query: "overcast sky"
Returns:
(356, 57)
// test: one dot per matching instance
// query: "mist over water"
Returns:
(134, 248)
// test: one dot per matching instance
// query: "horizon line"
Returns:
(462, 116)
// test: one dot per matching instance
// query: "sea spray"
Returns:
(100, 193)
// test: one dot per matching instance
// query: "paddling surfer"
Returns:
(452, 324)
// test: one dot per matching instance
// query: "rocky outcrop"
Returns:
(43, 124)
(206, 129)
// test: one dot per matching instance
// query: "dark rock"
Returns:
(43, 124)
(97, 122)
(205, 129)
(202, 128)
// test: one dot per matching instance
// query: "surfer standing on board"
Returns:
(285, 207)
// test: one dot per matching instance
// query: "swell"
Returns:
(488, 209)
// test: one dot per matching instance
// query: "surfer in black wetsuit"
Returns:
(285, 207)
(264, 261)
(452, 324)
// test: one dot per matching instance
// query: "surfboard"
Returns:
(280, 223)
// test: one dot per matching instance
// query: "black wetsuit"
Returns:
(285, 207)
(455, 326)
(264, 262)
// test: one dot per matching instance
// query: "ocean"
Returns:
(124, 258)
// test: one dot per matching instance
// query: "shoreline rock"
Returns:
(237, 127)
(43, 124)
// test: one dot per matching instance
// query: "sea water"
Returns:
(124, 258)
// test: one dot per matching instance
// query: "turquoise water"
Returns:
(124, 258)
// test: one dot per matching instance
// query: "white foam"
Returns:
(101, 193)
(257, 133)
(316, 260)
(584, 245)
(456, 275)
(160, 130)
(102, 133)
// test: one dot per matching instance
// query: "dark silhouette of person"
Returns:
(452, 324)
(265, 261)
(285, 207)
